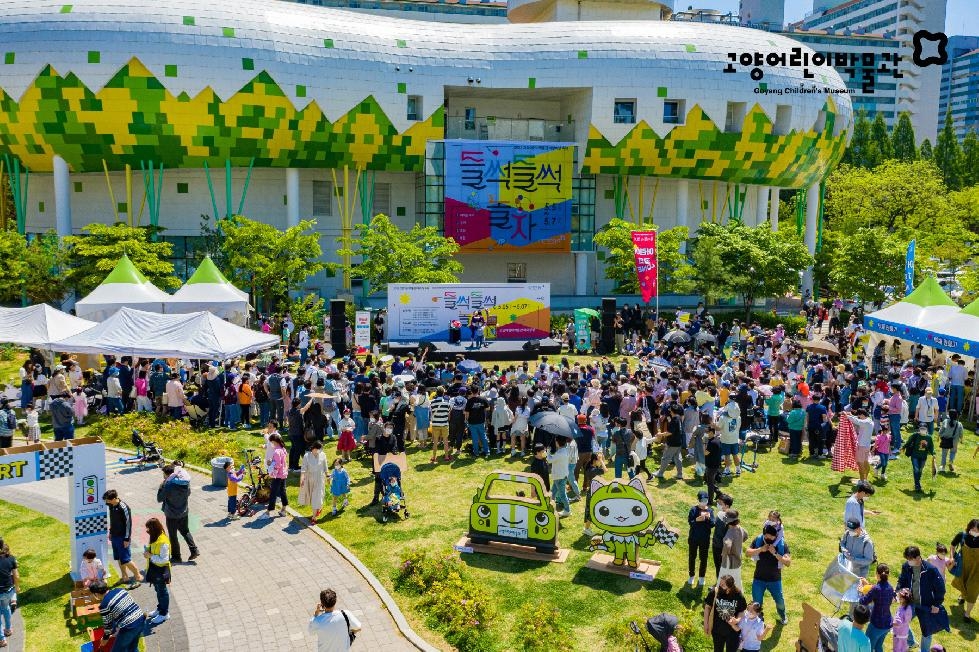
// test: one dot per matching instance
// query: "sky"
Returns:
(961, 16)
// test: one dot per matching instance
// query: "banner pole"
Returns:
(657, 277)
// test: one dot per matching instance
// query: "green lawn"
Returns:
(39, 543)
(809, 495)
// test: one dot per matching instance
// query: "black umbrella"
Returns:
(676, 337)
(705, 336)
(554, 424)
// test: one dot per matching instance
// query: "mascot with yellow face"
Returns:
(624, 512)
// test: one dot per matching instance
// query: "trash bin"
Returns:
(219, 477)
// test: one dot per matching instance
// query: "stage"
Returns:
(502, 350)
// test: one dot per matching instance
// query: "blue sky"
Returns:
(961, 15)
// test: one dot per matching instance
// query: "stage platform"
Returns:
(508, 350)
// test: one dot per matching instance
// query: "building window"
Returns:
(382, 199)
(322, 199)
(414, 107)
(734, 120)
(516, 272)
(470, 119)
(673, 112)
(783, 119)
(624, 112)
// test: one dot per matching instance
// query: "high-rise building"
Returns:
(960, 85)
(762, 14)
(918, 91)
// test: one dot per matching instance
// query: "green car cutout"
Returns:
(514, 507)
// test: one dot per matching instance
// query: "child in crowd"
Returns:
(882, 446)
(271, 428)
(80, 406)
(595, 468)
(902, 620)
(375, 430)
(940, 559)
(775, 520)
(233, 480)
(559, 469)
(33, 427)
(752, 628)
(339, 485)
(346, 445)
(539, 465)
(91, 568)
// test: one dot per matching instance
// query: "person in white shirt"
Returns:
(926, 412)
(332, 627)
(560, 461)
(864, 426)
(956, 384)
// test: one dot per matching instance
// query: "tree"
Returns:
(865, 262)
(880, 142)
(13, 265)
(948, 154)
(970, 159)
(46, 257)
(758, 263)
(95, 254)
(965, 206)
(945, 244)
(857, 153)
(390, 255)
(271, 262)
(709, 273)
(902, 139)
(675, 273)
(308, 309)
(926, 152)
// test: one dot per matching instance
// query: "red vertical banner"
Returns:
(647, 263)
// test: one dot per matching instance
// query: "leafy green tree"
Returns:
(902, 139)
(308, 309)
(898, 196)
(965, 205)
(881, 148)
(389, 254)
(94, 254)
(948, 154)
(945, 244)
(46, 257)
(758, 262)
(675, 273)
(270, 261)
(13, 265)
(858, 151)
(709, 273)
(925, 151)
(865, 262)
(970, 159)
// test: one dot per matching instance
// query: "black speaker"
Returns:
(608, 325)
(338, 323)
(532, 345)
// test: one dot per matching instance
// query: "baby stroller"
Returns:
(196, 409)
(147, 453)
(393, 503)
(258, 492)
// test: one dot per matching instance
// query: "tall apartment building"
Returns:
(960, 84)
(918, 92)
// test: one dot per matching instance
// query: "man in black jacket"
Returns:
(120, 532)
(174, 493)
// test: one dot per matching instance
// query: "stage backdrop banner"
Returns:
(516, 311)
(647, 268)
(508, 196)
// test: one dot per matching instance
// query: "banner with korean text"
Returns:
(513, 311)
(647, 264)
(507, 196)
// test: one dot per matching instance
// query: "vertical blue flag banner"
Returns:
(909, 269)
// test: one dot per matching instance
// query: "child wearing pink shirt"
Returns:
(902, 621)
(882, 445)
(940, 559)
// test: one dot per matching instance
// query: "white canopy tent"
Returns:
(124, 286)
(39, 326)
(208, 289)
(138, 333)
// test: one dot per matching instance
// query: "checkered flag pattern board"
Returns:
(665, 535)
(55, 463)
(91, 525)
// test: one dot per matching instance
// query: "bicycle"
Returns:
(258, 491)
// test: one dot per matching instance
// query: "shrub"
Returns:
(177, 439)
(793, 323)
(689, 632)
(8, 352)
(540, 630)
(453, 603)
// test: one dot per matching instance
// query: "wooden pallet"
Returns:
(646, 570)
(466, 546)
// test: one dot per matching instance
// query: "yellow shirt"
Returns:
(722, 394)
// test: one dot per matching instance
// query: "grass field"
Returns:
(809, 495)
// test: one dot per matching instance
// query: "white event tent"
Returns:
(199, 335)
(39, 326)
(124, 286)
(913, 317)
(208, 289)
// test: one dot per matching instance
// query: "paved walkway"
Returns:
(256, 582)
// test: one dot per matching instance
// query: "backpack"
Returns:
(829, 633)
(11, 420)
(275, 386)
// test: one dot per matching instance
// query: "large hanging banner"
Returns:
(647, 268)
(507, 196)
(909, 269)
(513, 311)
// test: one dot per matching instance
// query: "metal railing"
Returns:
(492, 128)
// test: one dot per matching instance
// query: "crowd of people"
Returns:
(702, 400)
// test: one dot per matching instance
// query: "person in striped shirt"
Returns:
(122, 617)
(440, 424)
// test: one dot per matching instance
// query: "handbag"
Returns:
(352, 634)
(308, 435)
(956, 570)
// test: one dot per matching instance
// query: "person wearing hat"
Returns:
(113, 390)
(857, 548)
(701, 521)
